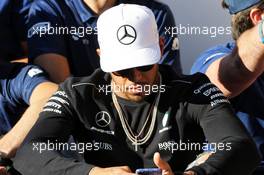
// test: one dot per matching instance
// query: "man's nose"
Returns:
(136, 75)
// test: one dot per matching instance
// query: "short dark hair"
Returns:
(241, 21)
(224, 4)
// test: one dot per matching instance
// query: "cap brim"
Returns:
(238, 6)
(115, 60)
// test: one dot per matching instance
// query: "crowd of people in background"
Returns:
(45, 43)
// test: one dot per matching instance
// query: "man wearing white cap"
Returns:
(131, 108)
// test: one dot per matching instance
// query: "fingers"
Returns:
(3, 171)
(120, 170)
(160, 163)
(189, 173)
(163, 165)
(125, 169)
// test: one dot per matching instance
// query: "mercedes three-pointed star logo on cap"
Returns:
(126, 34)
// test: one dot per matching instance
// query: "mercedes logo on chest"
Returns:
(102, 119)
(126, 34)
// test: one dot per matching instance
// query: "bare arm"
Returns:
(237, 71)
(13, 139)
(55, 65)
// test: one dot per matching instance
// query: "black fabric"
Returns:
(197, 111)
(136, 113)
(8, 70)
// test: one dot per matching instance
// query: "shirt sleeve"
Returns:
(234, 151)
(208, 57)
(43, 21)
(171, 53)
(24, 82)
(48, 138)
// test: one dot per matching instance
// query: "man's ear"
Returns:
(98, 52)
(256, 15)
(162, 44)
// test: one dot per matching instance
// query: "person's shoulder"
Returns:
(5, 13)
(175, 80)
(210, 55)
(216, 52)
(47, 5)
(189, 81)
(94, 81)
(194, 89)
(45, 2)
(41, 14)
(203, 92)
(223, 48)
(5, 5)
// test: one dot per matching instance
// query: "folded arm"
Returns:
(238, 70)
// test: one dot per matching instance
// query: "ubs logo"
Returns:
(126, 34)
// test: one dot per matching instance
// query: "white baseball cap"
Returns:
(128, 37)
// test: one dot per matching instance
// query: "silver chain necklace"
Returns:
(128, 131)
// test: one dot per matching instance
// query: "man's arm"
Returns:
(57, 116)
(234, 151)
(61, 122)
(47, 49)
(13, 139)
(55, 65)
(237, 71)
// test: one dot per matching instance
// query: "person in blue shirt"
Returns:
(13, 16)
(62, 35)
(24, 89)
(237, 67)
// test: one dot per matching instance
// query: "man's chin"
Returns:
(136, 97)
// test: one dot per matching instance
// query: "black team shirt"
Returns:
(191, 110)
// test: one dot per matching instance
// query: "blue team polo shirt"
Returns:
(17, 82)
(249, 105)
(13, 16)
(80, 47)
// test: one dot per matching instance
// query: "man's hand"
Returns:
(163, 165)
(120, 170)
(3, 171)
(189, 173)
